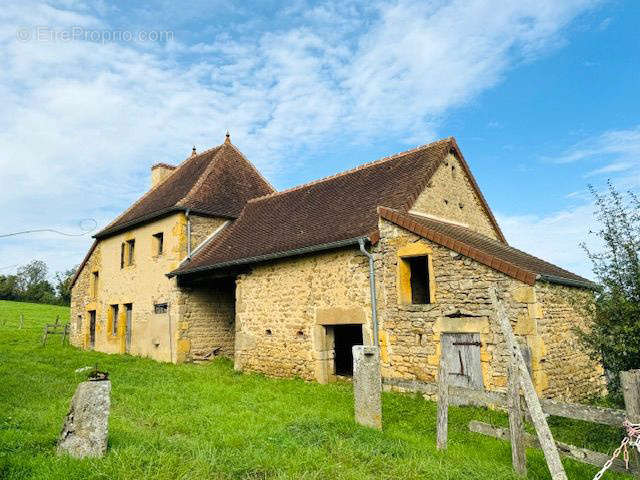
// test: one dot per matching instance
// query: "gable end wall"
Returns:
(451, 196)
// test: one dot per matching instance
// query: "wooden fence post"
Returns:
(630, 381)
(516, 424)
(443, 406)
(538, 418)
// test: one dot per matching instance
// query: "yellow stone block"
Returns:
(414, 250)
(525, 325)
(184, 345)
(485, 356)
(500, 381)
(183, 325)
(524, 294)
(384, 343)
(535, 310)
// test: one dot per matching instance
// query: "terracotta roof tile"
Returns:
(217, 182)
(495, 254)
(326, 211)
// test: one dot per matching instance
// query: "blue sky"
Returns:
(542, 97)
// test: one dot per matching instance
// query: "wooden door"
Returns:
(92, 329)
(461, 353)
(129, 311)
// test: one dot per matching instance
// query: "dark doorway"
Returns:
(92, 329)
(345, 337)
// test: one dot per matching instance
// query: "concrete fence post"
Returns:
(367, 386)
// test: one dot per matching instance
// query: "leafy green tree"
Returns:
(33, 285)
(614, 332)
(9, 287)
(63, 285)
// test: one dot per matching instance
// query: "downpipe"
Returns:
(372, 287)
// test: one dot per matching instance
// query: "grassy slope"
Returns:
(207, 421)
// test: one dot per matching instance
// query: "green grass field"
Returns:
(207, 421)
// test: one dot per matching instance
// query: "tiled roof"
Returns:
(217, 182)
(494, 254)
(330, 211)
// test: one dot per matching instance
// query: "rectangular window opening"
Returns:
(158, 240)
(122, 250)
(95, 280)
(160, 308)
(114, 320)
(131, 245)
(420, 288)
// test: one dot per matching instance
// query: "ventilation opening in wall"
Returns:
(267, 331)
(345, 337)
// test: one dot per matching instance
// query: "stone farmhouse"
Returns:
(213, 261)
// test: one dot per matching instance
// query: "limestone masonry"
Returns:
(212, 261)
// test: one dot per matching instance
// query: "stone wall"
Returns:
(450, 196)
(142, 284)
(202, 228)
(410, 334)
(283, 310)
(207, 320)
(542, 317)
(82, 301)
(573, 375)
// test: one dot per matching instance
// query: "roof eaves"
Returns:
(568, 282)
(84, 262)
(160, 213)
(273, 256)
(485, 258)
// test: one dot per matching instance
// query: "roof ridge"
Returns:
(202, 178)
(253, 167)
(352, 170)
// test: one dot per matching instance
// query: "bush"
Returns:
(614, 332)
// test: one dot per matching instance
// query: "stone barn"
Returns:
(213, 261)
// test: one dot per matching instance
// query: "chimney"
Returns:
(160, 172)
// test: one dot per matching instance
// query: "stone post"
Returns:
(86, 428)
(367, 386)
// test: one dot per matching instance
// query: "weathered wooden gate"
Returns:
(461, 354)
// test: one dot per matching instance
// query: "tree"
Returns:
(614, 331)
(33, 285)
(63, 285)
(9, 287)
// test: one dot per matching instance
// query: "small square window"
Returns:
(158, 241)
(160, 308)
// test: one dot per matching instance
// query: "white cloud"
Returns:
(556, 237)
(82, 122)
(623, 144)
